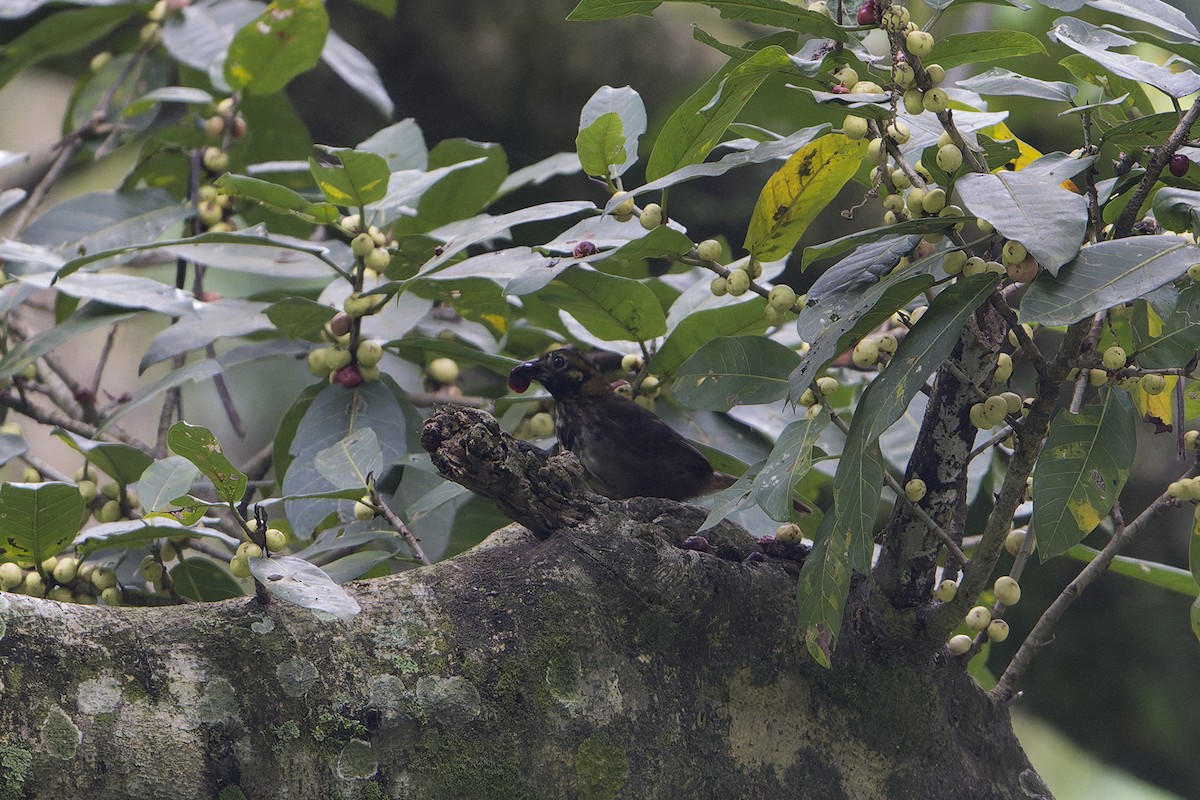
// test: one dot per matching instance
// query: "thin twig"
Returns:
(1005, 690)
(400, 527)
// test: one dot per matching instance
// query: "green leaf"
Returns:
(1164, 16)
(401, 144)
(37, 520)
(798, 192)
(477, 299)
(601, 145)
(1177, 209)
(822, 589)
(610, 125)
(775, 13)
(129, 532)
(204, 581)
(539, 172)
(1164, 576)
(1095, 43)
(463, 191)
(486, 227)
(698, 124)
(1104, 275)
(121, 462)
(277, 197)
(1081, 470)
(350, 178)
(199, 446)
(357, 71)
(92, 316)
(1143, 131)
(1036, 211)
(332, 415)
(609, 307)
(352, 461)
(735, 370)
(295, 581)
(761, 153)
(115, 289)
(284, 41)
(789, 462)
(982, 47)
(167, 94)
(1128, 94)
(1172, 339)
(100, 221)
(746, 318)
(1003, 82)
(58, 34)
(300, 318)
(165, 481)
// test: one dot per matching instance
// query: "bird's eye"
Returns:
(558, 360)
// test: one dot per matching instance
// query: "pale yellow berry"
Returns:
(719, 287)
(788, 532)
(915, 490)
(935, 100)
(946, 591)
(651, 216)
(276, 539)
(738, 281)
(1013, 252)
(709, 250)
(827, 386)
(782, 296)
(1153, 383)
(978, 618)
(443, 370)
(855, 127)
(919, 43)
(1114, 358)
(960, 644)
(240, 567)
(1007, 590)
(865, 353)
(949, 157)
(997, 630)
(1004, 368)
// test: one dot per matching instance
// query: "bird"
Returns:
(625, 449)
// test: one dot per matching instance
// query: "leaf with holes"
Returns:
(798, 191)
(788, 463)
(198, 445)
(296, 581)
(1081, 470)
(37, 520)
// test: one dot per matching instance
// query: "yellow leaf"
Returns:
(1157, 409)
(795, 194)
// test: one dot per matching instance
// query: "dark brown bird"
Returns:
(626, 450)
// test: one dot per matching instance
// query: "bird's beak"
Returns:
(522, 375)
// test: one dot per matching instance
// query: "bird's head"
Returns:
(563, 372)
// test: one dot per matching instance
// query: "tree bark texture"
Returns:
(602, 660)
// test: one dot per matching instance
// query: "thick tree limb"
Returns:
(602, 661)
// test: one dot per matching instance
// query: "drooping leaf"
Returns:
(696, 127)
(775, 13)
(284, 41)
(351, 461)
(1164, 576)
(296, 581)
(822, 589)
(332, 415)
(59, 33)
(1003, 82)
(204, 581)
(121, 462)
(466, 188)
(1081, 470)
(1177, 209)
(539, 172)
(1173, 339)
(853, 240)
(357, 71)
(401, 144)
(198, 445)
(983, 47)
(1104, 275)
(798, 191)
(610, 307)
(1048, 219)
(485, 227)
(844, 312)
(300, 318)
(1096, 44)
(790, 460)
(37, 520)
(735, 370)
(92, 316)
